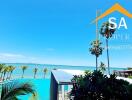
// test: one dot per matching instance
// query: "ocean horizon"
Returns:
(40, 74)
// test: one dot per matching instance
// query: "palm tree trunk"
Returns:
(44, 75)
(108, 56)
(10, 74)
(4, 76)
(7, 76)
(96, 63)
(23, 74)
(34, 75)
(1, 75)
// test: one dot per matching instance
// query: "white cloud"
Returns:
(19, 58)
(14, 58)
(9, 55)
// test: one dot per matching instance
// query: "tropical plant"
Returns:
(102, 67)
(1, 69)
(12, 68)
(5, 70)
(34, 97)
(35, 72)
(97, 86)
(96, 50)
(11, 90)
(23, 70)
(107, 32)
(130, 77)
(45, 71)
(129, 68)
(88, 72)
(8, 72)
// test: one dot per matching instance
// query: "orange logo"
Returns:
(116, 7)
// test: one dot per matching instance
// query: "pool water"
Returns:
(42, 87)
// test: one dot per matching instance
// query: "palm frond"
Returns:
(11, 90)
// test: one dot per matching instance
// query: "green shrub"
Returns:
(129, 68)
(97, 86)
(130, 77)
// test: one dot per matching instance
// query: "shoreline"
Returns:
(38, 64)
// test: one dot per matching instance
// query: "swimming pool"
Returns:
(42, 87)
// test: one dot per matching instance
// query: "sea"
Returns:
(29, 72)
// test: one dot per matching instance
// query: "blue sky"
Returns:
(59, 32)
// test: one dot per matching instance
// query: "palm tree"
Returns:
(11, 90)
(5, 70)
(35, 72)
(1, 70)
(8, 72)
(96, 50)
(107, 32)
(23, 70)
(102, 67)
(45, 71)
(12, 68)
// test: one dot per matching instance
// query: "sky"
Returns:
(60, 32)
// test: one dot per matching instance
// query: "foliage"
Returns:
(11, 90)
(129, 68)
(97, 86)
(130, 77)
(34, 97)
(1, 67)
(102, 67)
(88, 72)
(96, 48)
(24, 67)
(6, 71)
(35, 72)
(107, 32)
(11, 69)
(45, 71)
(23, 70)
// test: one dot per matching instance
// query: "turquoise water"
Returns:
(41, 85)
